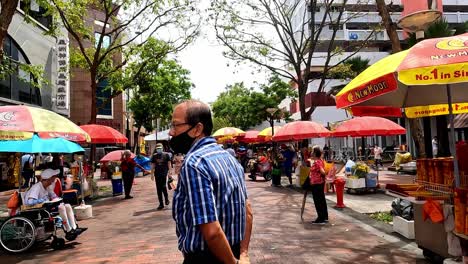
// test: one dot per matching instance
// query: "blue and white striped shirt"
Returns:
(211, 188)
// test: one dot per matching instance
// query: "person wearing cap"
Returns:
(43, 191)
(161, 162)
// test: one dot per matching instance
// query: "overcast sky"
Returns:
(209, 68)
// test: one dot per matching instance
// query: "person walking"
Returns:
(161, 162)
(378, 155)
(317, 182)
(210, 206)
(288, 157)
(128, 165)
(435, 146)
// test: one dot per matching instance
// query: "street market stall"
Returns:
(360, 178)
(429, 79)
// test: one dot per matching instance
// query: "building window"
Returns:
(103, 99)
(106, 40)
(17, 86)
(34, 10)
(335, 26)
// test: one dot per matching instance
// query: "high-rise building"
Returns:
(361, 21)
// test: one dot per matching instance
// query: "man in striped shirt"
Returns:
(213, 216)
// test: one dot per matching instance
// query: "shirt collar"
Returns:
(201, 142)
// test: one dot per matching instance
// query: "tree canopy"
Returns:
(287, 38)
(105, 45)
(244, 107)
(157, 84)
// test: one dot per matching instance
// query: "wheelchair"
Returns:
(32, 225)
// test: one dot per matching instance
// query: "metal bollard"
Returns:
(339, 187)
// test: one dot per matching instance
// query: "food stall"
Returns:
(440, 210)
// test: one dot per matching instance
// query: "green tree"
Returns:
(104, 53)
(285, 37)
(220, 122)
(157, 84)
(349, 68)
(244, 107)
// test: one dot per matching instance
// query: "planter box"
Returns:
(355, 183)
(403, 227)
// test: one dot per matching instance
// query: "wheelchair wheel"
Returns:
(57, 243)
(17, 234)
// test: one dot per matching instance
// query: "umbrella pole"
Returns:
(453, 148)
(80, 174)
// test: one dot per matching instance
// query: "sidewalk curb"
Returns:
(364, 219)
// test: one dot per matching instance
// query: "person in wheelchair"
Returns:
(43, 191)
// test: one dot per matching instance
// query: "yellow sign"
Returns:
(443, 74)
(435, 110)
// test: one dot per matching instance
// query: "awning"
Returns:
(163, 135)
(460, 121)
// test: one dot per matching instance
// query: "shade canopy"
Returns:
(103, 134)
(228, 132)
(162, 135)
(267, 133)
(299, 130)
(40, 145)
(417, 77)
(368, 126)
(115, 155)
(20, 122)
(250, 136)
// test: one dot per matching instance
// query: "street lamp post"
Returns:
(271, 112)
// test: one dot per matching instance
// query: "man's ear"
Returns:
(197, 130)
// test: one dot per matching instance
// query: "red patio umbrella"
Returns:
(249, 137)
(299, 130)
(103, 134)
(368, 126)
(115, 155)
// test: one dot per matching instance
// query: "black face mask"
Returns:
(182, 142)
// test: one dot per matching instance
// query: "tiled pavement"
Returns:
(132, 231)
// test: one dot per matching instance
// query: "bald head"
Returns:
(196, 112)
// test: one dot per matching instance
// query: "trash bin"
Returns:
(117, 187)
(276, 176)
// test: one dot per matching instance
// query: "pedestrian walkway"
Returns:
(132, 231)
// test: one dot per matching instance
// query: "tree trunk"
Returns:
(390, 27)
(8, 8)
(135, 142)
(302, 105)
(415, 124)
(92, 120)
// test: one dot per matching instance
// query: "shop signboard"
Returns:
(63, 82)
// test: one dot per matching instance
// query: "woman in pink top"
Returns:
(317, 181)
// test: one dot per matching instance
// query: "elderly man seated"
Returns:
(43, 191)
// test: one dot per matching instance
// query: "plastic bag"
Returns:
(349, 166)
(85, 185)
(403, 209)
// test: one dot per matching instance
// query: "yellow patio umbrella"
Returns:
(428, 79)
(228, 131)
(266, 134)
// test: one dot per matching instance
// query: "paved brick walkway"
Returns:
(132, 231)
